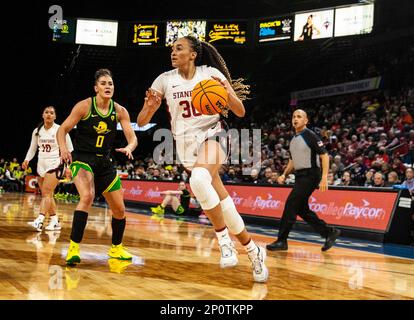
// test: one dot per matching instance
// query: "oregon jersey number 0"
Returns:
(99, 141)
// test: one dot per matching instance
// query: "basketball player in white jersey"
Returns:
(194, 61)
(44, 139)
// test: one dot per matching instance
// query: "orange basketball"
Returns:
(209, 97)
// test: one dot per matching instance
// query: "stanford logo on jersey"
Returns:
(182, 94)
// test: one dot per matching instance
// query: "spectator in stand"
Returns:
(385, 169)
(392, 140)
(232, 176)
(11, 183)
(379, 181)
(372, 146)
(176, 174)
(368, 160)
(398, 166)
(334, 169)
(354, 143)
(223, 174)
(66, 189)
(2, 164)
(331, 179)
(406, 117)
(402, 149)
(14, 164)
(365, 103)
(340, 166)
(373, 128)
(18, 173)
(363, 127)
(3, 181)
(409, 180)
(392, 179)
(346, 179)
(363, 143)
(357, 170)
(267, 175)
(140, 173)
(410, 155)
(156, 175)
(382, 141)
(369, 178)
(254, 176)
(149, 173)
(332, 145)
(349, 158)
(166, 174)
(373, 106)
(273, 178)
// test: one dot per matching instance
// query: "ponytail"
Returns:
(40, 125)
(207, 54)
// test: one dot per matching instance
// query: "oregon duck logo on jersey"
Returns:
(102, 128)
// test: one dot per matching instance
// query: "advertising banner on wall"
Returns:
(337, 89)
(371, 210)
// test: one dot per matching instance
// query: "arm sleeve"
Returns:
(33, 147)
(314, 142)
(159, 84)
(69, 144)
(216, 73)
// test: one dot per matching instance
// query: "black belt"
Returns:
(308, 170)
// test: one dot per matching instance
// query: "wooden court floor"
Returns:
(177, 260)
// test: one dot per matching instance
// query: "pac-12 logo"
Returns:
(57, 17)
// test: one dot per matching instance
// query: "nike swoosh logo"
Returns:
(176, 85)
(94, 115)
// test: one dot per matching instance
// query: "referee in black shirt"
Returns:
(307, 151)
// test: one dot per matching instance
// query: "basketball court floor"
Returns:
(178, 259)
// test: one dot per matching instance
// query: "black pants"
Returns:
(306, 182)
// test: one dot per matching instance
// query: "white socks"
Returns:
(251, 247)
(224, 234)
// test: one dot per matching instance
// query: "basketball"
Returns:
(209, 97)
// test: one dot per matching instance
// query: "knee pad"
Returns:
(232, 218)
(200, 182)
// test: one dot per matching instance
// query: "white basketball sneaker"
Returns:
(37, 224)
(228, 253)
(53, 224)
(258, 257)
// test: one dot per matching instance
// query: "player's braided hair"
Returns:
(207, 54)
